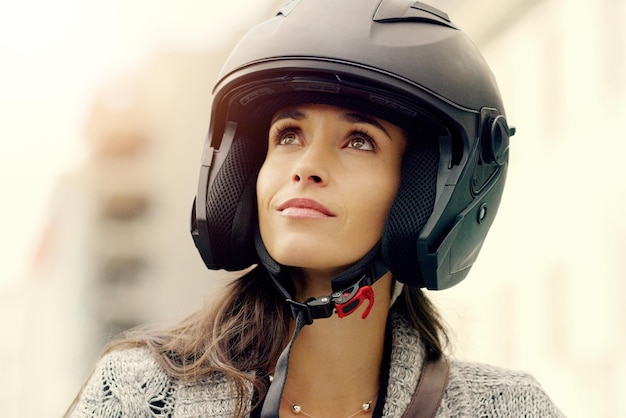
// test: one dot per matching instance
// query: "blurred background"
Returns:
(103, 112)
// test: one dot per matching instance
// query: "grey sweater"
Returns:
(130, 383)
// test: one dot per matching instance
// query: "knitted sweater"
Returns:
(130, 383)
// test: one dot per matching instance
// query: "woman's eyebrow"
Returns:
(354, 117)
(295, 114)
(351, 117)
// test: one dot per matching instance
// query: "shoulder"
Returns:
(473, 389)
(126, 383)
(130, 382)
(494, 391)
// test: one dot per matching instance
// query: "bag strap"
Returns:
(429, 391)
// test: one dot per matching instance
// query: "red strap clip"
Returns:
(351, 305)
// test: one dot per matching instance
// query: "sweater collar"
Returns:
(405, 365)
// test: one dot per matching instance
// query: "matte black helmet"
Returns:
(401, 60)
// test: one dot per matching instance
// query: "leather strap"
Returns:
(429, 391)
(271, 405)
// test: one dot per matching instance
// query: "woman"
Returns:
(357, 152)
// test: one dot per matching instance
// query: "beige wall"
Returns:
(548, 293)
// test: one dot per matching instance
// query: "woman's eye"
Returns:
(362, 142)
(287, 137)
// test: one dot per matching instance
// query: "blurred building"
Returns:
(117, 251)
(547, 294)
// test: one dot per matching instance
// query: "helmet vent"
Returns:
(418, 5)
(402, 11)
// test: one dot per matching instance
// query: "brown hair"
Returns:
(242, 334)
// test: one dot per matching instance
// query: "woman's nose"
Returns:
(312, 166)
(312, 178)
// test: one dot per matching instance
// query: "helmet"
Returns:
(401, 60)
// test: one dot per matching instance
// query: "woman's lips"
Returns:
(304, 208)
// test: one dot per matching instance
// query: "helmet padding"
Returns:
(231, 205)
(410, 210)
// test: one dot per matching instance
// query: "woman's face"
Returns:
(326, 186)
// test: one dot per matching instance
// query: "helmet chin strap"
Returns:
(350, 289)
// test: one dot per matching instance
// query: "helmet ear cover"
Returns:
(224, 237)
(411, 209)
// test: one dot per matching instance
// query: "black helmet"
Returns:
(401, 60)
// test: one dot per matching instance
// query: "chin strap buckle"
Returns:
(349, 300)
(344, 302)
(312, 309)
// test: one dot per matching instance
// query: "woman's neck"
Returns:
(335, 363)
